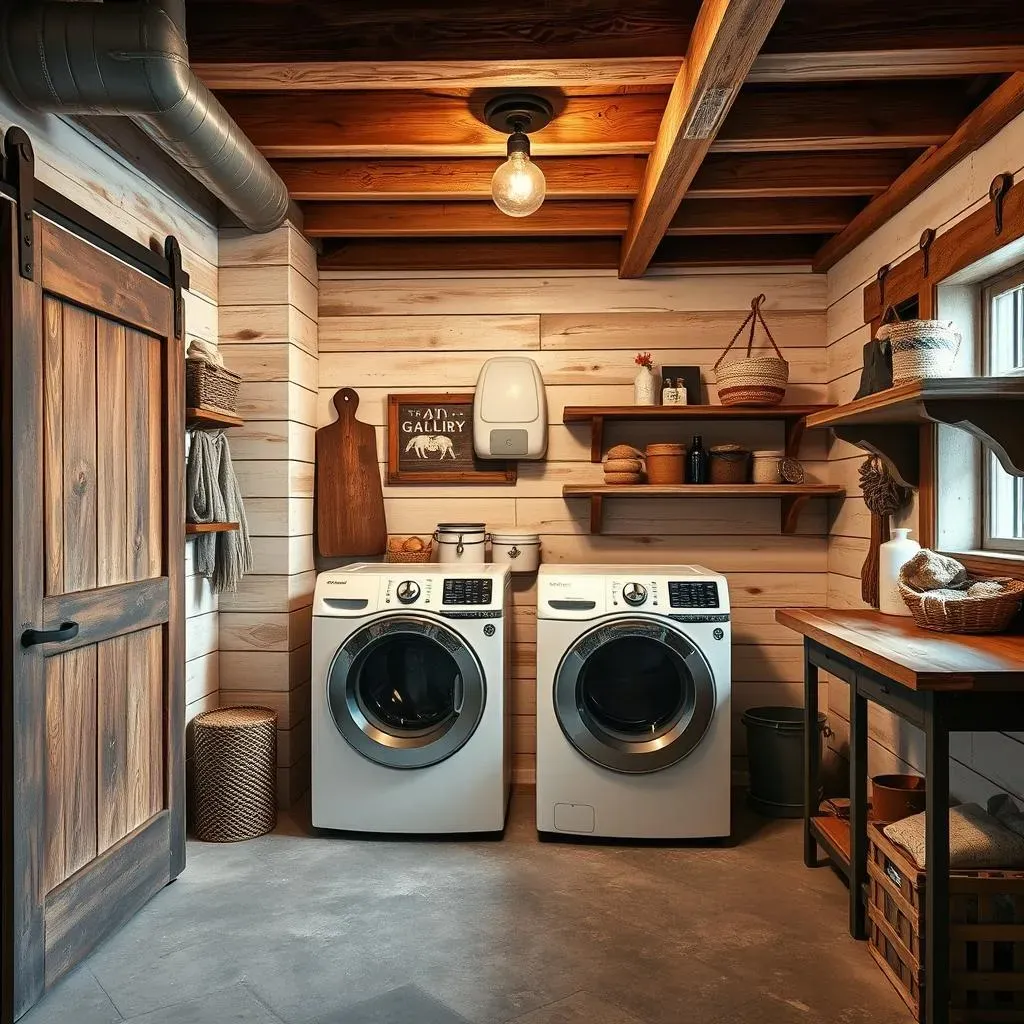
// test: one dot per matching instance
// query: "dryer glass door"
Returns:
(634, 695)
(405, 691)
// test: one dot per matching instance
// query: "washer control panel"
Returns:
(467, 591)
(693, 594)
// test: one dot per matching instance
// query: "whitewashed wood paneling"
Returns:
(403, 334)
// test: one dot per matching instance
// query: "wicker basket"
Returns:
(208, 386)
(410, 557)
(729, 464)
(921, 348)
(986, 911)
(234, 752)
(754, 380)
(989, 614)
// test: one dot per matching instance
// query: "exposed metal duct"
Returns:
(132, 59)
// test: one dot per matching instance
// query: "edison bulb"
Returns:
(518, 185)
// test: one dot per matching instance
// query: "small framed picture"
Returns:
(430, 441)
(690, 376)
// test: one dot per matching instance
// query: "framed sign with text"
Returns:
(430, 441)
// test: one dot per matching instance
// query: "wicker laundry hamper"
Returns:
(234, 754)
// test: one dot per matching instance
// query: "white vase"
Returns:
(892, 556)
(645, 388)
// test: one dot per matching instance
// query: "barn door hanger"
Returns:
(997, 191)
(20, 173)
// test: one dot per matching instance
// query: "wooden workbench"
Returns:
(941, 683)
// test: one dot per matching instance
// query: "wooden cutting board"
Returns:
(349, 499)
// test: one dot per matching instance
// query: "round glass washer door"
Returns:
(634, 695)
(405, 691)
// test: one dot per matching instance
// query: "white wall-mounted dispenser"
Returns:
(510, 410)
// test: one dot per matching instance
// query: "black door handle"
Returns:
(67, 631)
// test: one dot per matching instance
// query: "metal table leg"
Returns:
(858, 810)
(812, 756)
(936, 915)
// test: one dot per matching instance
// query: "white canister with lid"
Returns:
(766, 467)
(517, 547)
(461, 543)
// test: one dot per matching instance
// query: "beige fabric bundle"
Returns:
(928, 570)
(976, 839)
(199, 349)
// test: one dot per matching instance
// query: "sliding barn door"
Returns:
(93, 726)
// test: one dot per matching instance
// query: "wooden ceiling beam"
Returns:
(887, 64)
(337, 76)
(704, 217)
(898, 115)
(807, 175)
(735, 251)
(472, 254)
(409, 124)
(723, 44)
(993, 114)
(439, 219)
(583, 177)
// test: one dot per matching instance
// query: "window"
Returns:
(1003, 354)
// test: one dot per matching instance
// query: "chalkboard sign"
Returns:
(430, 441)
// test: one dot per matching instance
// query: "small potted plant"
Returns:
(645, 387)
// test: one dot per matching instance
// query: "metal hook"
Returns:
(883, 273)
(1001, 184)
(927, 237)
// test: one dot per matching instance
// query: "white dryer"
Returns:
(410, 726)
(633, 701)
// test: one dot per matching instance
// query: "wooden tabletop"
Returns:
(917, 658)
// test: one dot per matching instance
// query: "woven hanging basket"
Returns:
(753, 380)
(921, 348)
(208, 386)
(234, 752)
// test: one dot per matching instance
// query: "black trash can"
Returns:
(775, 749)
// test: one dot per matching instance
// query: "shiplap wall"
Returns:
(432, 333)
(268, 333)
(147, 206)
(981, 763)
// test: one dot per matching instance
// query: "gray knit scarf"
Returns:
(212, 495)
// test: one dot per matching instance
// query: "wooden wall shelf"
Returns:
(794, 496)
(192, 529)
(887, 424)
(793, 416)
(210, 419)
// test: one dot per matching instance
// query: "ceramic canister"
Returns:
(461, 543)
(766, 467)
(516, 547)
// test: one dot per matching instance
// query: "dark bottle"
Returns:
(697, 462)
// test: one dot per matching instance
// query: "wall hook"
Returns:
(1001, 185)
(925, 244)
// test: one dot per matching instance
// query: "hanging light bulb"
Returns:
(518, 185)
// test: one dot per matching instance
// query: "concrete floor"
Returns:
(295, 929)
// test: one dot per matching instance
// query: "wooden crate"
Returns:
(986, 934)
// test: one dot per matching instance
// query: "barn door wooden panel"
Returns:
(97, 704)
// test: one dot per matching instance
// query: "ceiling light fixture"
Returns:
(517, 186)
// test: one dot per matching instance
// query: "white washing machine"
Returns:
(634, 687)
(410, 726)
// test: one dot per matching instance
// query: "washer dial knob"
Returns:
(407, 591)
(634, 593)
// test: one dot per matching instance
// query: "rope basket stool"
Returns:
(234, 752)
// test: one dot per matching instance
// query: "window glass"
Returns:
(1004, 354)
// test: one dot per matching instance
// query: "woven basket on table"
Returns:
(988, 614)
(753, 380)
(234, 756)
(208, 386)
(410, 557)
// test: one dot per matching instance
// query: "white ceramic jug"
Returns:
(892, 556)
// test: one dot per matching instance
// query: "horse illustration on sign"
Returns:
(423, 444)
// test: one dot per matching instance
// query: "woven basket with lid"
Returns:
(234, 753)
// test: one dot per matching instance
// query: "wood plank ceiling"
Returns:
(372, 114)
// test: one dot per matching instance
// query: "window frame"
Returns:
(1009, 280)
